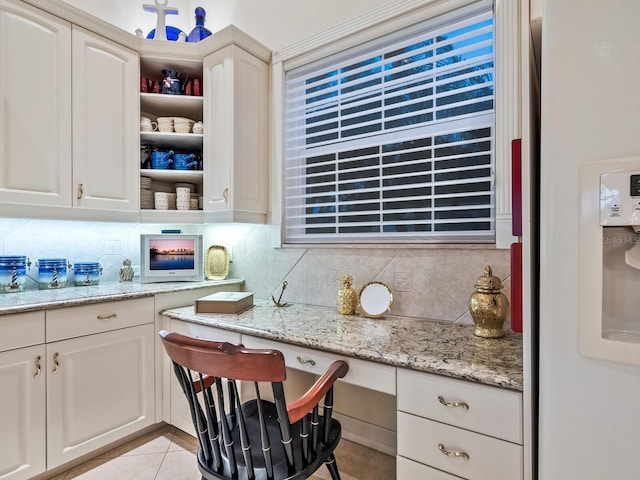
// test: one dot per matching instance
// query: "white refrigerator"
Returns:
(589, 408)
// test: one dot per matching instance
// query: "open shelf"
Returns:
(189, 141)
(168, 176)
(159, 105)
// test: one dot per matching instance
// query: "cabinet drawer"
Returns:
(488, 458)
(101, 317)
(205, 332)
(409, 470)
(491, 410)
(373, 376)
(21, 330)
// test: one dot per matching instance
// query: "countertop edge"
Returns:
(457, 369)
(33, 300)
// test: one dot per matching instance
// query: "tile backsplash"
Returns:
(432, 282)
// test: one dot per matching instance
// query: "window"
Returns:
(394, 140)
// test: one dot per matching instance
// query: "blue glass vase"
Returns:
(199, 32)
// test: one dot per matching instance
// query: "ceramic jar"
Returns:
(13, 273)
(52, 273)
(86, 273)
(488, 306)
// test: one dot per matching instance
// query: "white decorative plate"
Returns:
(216, 263)
(375, 299)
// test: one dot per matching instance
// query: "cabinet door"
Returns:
(99, 389)
(236, 143)
(106, 153)
(35, 106)
(22, 403)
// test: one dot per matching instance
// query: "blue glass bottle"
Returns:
(199, 32)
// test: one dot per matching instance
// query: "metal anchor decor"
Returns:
(278, 302)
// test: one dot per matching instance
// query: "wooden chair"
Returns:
(257, 439)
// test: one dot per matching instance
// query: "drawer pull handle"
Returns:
(310, 361)
(107, 317)
(462, 405)
(38, 367)
(56, 364)
(454, 453)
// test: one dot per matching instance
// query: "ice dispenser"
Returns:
(610, 260)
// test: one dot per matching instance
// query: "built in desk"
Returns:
(423, 345)
(458, 397)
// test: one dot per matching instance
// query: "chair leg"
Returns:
(333, 468)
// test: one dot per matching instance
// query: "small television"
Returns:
(171, 258)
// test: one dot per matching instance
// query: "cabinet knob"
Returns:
(38, 367)
(305, 361)
(56, 364)
(453, 453)
(462, 405)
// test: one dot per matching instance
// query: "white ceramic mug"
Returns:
(146, 125)
(172, 200)
(183, 193)
(161, 200)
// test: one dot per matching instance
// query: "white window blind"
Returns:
(393, 140)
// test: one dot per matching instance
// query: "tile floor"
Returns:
(169, 454)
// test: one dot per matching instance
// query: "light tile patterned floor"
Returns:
(169, 454)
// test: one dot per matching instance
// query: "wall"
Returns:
(431, 282)
(289, 20)
(589, 419)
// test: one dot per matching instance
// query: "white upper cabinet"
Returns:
(236, 144)
(35, 106)
(105, 121)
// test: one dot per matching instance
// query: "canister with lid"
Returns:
(86, 273)
(52, 273)
(13, 273)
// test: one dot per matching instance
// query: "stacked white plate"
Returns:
(146, 194)
(162, 187)
(165, 124)
(182, 124)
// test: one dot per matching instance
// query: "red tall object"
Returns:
(516, 229)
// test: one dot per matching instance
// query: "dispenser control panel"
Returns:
(620, 198)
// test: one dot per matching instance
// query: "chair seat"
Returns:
(281, 471)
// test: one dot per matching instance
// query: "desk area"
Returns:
(428, 346)
(458, 397)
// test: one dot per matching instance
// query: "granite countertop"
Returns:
(30, 300)
(431, 346)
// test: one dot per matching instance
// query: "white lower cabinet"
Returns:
(451, 427)
(99, 389)
(22, 396)
(22, 423)
(406, 468)
(86, 383)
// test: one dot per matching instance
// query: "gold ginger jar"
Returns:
(347, 297)
(488, 306)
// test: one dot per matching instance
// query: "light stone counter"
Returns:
(30, 300)
(436, 347)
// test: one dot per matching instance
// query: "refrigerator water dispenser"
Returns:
(610, 260)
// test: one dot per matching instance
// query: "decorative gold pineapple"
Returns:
(347, 297)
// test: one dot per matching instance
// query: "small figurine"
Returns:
(126, 271)
(347, 297)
